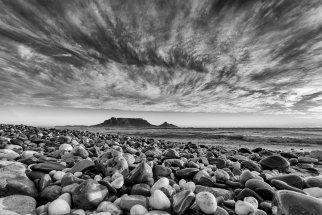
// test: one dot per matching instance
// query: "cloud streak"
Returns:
(192, 56)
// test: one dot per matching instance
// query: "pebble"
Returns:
(162, 182)
(244, 208)
(138, 210)
(118, 182)
(89, 194)
(206, 202)
(159, 201)
(127, 202)
(58, 175)
(110, 207)
(275, 162)
(58, 207)
(182, 201)
(85, 173)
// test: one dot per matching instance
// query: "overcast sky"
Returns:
(193, 63)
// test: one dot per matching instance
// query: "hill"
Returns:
(131, 122)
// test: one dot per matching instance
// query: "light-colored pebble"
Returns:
(206, 202)
(58, 207)
(138, 210)
(159, 201)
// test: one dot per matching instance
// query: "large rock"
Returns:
(316, 154)
(13, 180)
(292, 203)
(17, 205)
(8, 154)
(141, 174)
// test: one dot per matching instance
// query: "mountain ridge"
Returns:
(131, 122)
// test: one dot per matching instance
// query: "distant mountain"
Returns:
(167, 125)
(131, 122)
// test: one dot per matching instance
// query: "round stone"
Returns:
(58, 175)
(252, 201)
(275, 162)
(221, 175)
(58, 207)
(189, 186)
(138, 210)
(206, 202)
(118, 182)
(159, 201)
(66, 147)
(244, 208)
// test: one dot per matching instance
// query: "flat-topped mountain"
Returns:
(131, 122)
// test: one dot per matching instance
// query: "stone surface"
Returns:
(206, 202)
(182, 201)
(89, 194)
(8, 154)
(275, 162)
(48, 166)
(17, 205)
(293, 203)
(159, 201)
(127, 202)
(58, 207)
(13, 180)
(141, 174)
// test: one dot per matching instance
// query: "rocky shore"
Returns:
(47, 171)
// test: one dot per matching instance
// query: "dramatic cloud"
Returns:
(164, 55)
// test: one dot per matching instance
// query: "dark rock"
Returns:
(47, 167)
(219, 162)
(141, 174)
(182, 201)
(82, 166)
(49, 194)
(141, 189)
(251, 165)
(186, 173)
(291, 179)
(313, 182)
(275, 162)
(69, 178)
(281, 185)
(161, 171)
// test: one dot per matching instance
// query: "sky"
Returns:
(210, 63)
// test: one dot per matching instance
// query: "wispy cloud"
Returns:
(192, 56)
